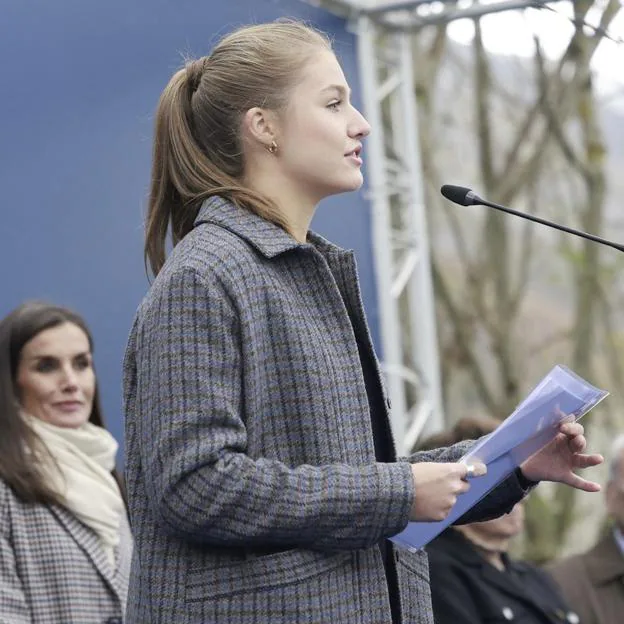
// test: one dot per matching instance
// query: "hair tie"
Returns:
(195, 71)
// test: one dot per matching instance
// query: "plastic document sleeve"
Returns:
(560, 395)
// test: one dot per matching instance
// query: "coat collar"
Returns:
(462, 549)
(453, 543)
(604, 561)
(269, 239)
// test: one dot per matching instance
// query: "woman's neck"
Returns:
(489, 547)
(295, 207)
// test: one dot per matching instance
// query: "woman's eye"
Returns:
(83, 362)
(45, 365)
(334, 105)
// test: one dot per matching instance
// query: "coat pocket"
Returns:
(261, 573)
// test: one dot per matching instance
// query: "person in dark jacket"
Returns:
(473, 578)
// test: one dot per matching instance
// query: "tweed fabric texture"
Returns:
(53, 568)
(254, 492)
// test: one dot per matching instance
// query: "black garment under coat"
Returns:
(466, 589)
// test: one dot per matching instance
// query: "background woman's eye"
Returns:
(45, 365)
(82, 362)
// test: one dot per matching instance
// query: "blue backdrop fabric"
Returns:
(80, 82)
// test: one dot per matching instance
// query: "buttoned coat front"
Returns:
(255, 495)
(466, 589)
(53, 569)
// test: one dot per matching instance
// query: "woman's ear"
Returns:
(259, 127)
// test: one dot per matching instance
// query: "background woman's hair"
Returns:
(20, 448)
(198, 149)
(467, 428)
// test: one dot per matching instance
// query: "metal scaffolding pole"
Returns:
(378, 185)
(400, 236)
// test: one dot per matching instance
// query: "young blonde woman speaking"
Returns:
(263, 480)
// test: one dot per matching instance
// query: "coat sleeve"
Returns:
(13, 606)
(188, 414)
(497, 502)
(451, 598)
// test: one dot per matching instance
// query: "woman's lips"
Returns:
(68, 406)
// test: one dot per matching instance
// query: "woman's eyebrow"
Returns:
(342, 90)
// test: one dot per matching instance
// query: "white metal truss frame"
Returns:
(399, 226)
(399, 230)
(404, 14)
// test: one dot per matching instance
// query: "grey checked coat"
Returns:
(254, 492)
(53, 569)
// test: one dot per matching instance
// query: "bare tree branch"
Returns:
(561, 91)
(464, 341)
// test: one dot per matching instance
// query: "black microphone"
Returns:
(466, 197)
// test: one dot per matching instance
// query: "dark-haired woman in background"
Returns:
(473, 578)
(65, 543)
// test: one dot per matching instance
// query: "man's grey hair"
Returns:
(616, 458)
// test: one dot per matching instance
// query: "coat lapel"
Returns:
(88, 541)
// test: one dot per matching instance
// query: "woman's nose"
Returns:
(69, 379)
(360, 128)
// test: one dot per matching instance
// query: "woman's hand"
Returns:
(437, 487)
(558, 459)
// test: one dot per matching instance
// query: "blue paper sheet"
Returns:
(560, 395)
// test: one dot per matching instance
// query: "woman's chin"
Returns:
(67, 420)
(354, 184)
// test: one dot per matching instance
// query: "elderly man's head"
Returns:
(615, 486)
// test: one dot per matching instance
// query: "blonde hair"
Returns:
(466, 428)
(198, 149)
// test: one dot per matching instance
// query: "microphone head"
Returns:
(459, 195)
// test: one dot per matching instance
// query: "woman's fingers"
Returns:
(473, 469)
(577, 444)
(587, 461)
(571, 429)
(582, 484)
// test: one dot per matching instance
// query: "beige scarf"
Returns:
(85, 457)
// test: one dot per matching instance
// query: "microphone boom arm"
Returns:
(556, 226)
(466, 197)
